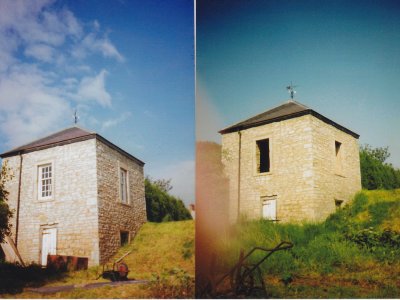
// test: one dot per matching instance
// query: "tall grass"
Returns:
(325, 247)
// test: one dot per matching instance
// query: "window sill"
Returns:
(42, 200)
(262, 174)
(125, 204)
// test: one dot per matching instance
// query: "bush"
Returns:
(15, 277)
(375, 173)
(162, 207)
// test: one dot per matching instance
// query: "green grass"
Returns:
(162, 253)
(354, 253)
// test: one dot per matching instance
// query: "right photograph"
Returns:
(297, 149)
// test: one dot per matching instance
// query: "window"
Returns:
(45, 181)
(124, 186)
(338, 203)
(338, 159)
(262, 153)
(124, 237)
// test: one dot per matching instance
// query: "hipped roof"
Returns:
(288, 110)
(67, 136)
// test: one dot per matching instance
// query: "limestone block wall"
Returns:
(303, 174)
(115, 216)
(72, 208)
(330, 183)
(291, 169)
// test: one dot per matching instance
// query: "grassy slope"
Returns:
(158, 248)
(349, 255)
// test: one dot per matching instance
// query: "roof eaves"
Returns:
(238, 127)
(290, 116)
(42, 147)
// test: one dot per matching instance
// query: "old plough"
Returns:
(118, 272)
(245, 278)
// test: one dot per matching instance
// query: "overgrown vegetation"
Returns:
(161, 206)
(376, 173)
(14, 277)
(354, 253)
(162, 253)
(5, 212)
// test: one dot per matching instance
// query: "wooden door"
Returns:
(269, 209)
(49, 244)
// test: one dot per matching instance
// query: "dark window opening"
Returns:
(339, 158)
(337, 147)
(338, 204)
(124, 235)
(263, 161)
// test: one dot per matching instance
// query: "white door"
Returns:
(49, 243)
(269, 209)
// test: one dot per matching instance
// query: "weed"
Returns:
(173, 283)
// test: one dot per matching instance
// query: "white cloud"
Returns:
(112, 122)
(92, 44)
(41, 52)
(29, 107)
(182, 179)
(93, 88)
(40, 81)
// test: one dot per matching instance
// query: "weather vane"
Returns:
(291, 90)
(76, 118)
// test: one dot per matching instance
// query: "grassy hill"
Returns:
(162, 253)
(354, 253)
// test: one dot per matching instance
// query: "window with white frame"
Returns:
(124, 185)
(45, 181)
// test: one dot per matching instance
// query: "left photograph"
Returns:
(97, 149)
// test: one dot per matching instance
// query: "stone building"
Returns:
(74, 193)
(289, 163)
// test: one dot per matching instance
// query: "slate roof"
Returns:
(67, 136)
(288, 110)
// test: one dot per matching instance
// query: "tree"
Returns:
(375, 172)
(5, 212)
(161, 206)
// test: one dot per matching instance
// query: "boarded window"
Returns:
(338, 158)
(124, 186)
(124, 237)
(269, 208)
(263, 157)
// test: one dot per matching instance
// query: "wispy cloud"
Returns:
(93, 88)
(40, 77)
(113, 122)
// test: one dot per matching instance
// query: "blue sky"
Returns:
(128, 66)
(343, 55)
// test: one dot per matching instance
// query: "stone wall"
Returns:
(302, 150)
(115, 216)
(330, 183)
(72, 208)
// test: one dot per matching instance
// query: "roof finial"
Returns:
(76, 117)
(291, 90)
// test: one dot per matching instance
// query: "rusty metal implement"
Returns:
(245, 278)
(118, 272)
